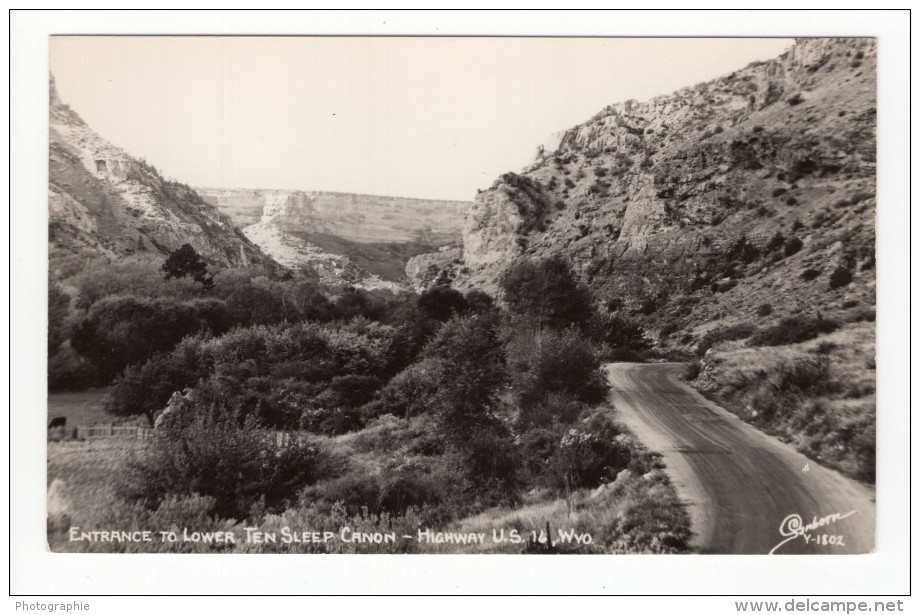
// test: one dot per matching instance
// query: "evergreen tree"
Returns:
(185, 261)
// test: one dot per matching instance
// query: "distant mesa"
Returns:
(365, 240)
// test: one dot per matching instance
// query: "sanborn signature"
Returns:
(794, 527)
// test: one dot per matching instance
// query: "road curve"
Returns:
(740, 485)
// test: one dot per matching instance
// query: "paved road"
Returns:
(740, 484)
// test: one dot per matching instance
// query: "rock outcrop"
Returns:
(708, 202)
(104, 203)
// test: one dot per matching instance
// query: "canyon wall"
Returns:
(706, 203)
(104, 204)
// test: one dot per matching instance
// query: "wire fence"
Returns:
(140, 433)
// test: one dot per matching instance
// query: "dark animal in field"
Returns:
(58, 421)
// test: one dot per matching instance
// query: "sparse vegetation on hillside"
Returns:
(817, 394)
(793, 330)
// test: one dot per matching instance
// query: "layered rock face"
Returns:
(360, 239)
(104, 203)
(751, 188)
(360, 218)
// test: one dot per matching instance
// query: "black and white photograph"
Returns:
(381, 300)
(289, 314)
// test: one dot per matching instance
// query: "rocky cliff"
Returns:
(104, 203)
(360, 218)
(357, 238)
(707, 203)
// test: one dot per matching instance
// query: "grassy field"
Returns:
(81, 487)
(83, 478)
(81, 407)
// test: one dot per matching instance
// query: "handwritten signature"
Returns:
(794, 527)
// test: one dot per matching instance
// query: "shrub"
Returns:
(692, 370)
(599, 187)
(744, 250)
(134, 276)
(667, 330)
(331, 421)
(58, 316)
(765, 309)
(538, 447)
(120, 331)
(793, 330)
(351, 390)
(617, 336)
(144, 390)
(491, 463)
(441, 303)
(802, 374)
(546, 292)
(591, 453)
(840, 277)
(354, 491)
(480, 302)
(810, 274)
(555, 408)
(185, 261)
(792, 246)
(224, 456)
(406, 485)
(287, 375)
(358, 302)
(411, 391)
(775, 243)
(738, 331)
(795, 99)
(68, 371)
(547, 362)
(472, 357)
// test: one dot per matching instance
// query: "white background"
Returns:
(37, 572)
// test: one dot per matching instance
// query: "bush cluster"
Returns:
(462, 404)
(737, 331)
(793, 330)
(225, 457)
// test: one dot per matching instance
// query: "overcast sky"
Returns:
(416, 117)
